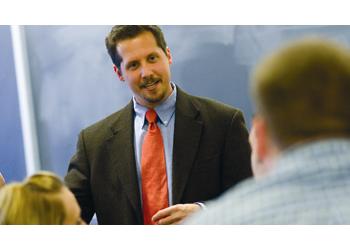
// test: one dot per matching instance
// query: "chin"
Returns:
(154, 99)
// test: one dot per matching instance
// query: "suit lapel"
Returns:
(187, 133)
(121, 150)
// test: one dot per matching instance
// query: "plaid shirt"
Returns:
(310, 184)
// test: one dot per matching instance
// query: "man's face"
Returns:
(145, 68)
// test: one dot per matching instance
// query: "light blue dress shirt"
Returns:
(166, 122)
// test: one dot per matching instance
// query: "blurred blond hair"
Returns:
(35, 201)
(2, 180)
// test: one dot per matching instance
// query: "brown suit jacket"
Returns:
(210, 154)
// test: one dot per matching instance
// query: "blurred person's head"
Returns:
(142, 60)
(42, 199)
(302, 94)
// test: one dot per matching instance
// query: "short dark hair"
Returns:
(123, 32)
(303, 91)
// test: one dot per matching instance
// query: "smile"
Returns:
(151, 86)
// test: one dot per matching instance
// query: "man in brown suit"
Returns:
(206, 142)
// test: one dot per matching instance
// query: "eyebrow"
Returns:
(130, 62)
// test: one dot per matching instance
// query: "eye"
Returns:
(132, 65)
(152, 58)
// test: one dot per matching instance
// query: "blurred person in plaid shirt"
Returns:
(300, 140)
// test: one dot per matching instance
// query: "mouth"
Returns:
(151, 85)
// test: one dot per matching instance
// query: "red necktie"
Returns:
(153, 170)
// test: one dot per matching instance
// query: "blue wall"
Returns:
(12, 164)
(74, 84)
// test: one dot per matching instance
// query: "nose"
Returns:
(146, 71)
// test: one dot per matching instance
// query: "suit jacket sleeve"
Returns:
(236, 159)
(78, 180)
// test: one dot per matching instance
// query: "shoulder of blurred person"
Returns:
(306, 185)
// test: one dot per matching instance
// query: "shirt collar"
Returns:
(164, 111)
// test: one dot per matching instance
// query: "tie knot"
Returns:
(151, 116)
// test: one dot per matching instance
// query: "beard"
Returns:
(155, 99)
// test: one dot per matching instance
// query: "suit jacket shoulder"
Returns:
(212, 106)
(210, 146)
(209, 111)
(110, 124)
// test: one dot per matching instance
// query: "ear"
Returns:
(118, 72)
(259, 139)
(264, 149)
(169, 56)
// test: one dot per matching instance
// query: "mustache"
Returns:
(149, 81)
